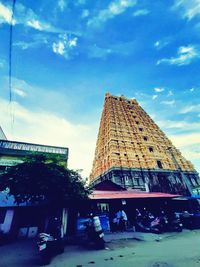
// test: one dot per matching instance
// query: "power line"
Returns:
(10, 63)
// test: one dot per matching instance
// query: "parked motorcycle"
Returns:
(175, 224)
(95, 233)
(149, 223)
(49, 246)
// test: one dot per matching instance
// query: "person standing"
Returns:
(123, 219)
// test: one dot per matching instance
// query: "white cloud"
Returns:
(181, 125)
(19, 92)
(72, 42)
(85, 13)
(185, 55)
(26, 17)
(64, 45)
(188, 143)
(23, 45)
(169, 103)
(186, 139)
(46, 128)
(36, 24)
(162, 43)
(191, 89)
(141, 12)
(59, 48)
(5, 14)
(157, 43)
(115, 8)
(191, 108)
(154, 97)
(99, 52)
(37, 40)
(170, 93)
(159, 90)
(61, 5)
(188, 8)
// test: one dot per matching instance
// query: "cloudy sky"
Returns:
(67, 53)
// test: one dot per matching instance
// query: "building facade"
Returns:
(25, 219)
(132, 151)
(12, 152)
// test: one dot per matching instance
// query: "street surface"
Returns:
(167, 250)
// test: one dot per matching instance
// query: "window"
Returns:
(140, 129)
(159, 164)
(150, 149)
(145, 138)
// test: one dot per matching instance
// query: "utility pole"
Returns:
(184, 178)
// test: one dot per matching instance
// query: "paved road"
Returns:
(180, 250)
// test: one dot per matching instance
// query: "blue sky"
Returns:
(67, 54)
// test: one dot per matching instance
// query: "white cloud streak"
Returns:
(26, 17)
(185, 55)
(169, 103)
(141, 12)
(187, 143)
(154, 97)
(180, 125)
(115, 8)
(187, 140)
(188, 8)
(170, 93)
(19, 92)
(5, 14)
(159, 90)
(190, 108)
(162, 43)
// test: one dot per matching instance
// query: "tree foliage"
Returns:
(42, 178)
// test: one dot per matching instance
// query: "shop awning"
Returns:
(97, 194)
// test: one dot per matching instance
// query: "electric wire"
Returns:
(10, 65)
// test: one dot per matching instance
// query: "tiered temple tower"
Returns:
(133, 152)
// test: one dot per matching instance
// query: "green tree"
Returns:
(41, 178)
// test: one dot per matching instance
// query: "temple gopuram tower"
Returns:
(132, 151)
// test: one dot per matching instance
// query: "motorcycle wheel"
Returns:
(45, 261)
(100, 244)
(179, 229)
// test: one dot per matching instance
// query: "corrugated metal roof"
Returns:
(128, 194)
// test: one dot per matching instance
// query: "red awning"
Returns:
(128, 194)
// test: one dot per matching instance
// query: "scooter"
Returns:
(48, 247)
